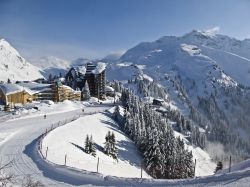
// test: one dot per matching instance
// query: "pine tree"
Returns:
(86, 90)
(107, 146)
(92, 148)
(154, 159)
(116, 113)
(219, 166)
(86, 147)
(114, 150)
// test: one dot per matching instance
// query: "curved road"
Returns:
(18, 143)
(18, 136)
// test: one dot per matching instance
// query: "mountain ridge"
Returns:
(14, 67)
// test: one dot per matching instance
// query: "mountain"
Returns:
(112, 57)
(232, 55)
(51, 65)
(204, 76)
(80, 61)
(14, 67)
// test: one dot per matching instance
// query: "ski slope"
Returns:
(72, 137)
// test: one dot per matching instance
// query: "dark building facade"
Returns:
(94, 74)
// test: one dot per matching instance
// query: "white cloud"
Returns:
(213, 31)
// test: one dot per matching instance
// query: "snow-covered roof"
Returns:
(100, 67)
(109, 89)
(159, 99)
(81, 69)
(35, 87)
(9, 89)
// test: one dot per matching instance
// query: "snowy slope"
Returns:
(230, 54)
(18, 144)
(51, 65)
(14, 66)
(72, 137)
(202, 74)
(204, 164)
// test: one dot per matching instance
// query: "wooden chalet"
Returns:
(22, 93)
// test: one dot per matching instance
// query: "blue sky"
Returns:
(93, 28)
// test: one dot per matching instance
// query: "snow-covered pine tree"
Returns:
(116, 113)
(86, 146)
(114, 150)
(86, 90)
(157, 141)
(107, 146)
(189, 164)
(92, 148)
(154, 158)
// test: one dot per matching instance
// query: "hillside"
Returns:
(14, 67)
(51, 65)
(203, 76)
(129, 159)
(230, 54)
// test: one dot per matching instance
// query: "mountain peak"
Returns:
(200, 34)
(14, 66)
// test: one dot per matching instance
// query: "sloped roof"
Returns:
(9, 89)
(35, 87)
(101, 66)
(29, 87)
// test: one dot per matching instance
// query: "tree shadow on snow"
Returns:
(98, 147)
(124, 152)
(125, 146)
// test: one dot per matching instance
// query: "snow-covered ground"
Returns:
(14, 67)
(19, 140)
(204, 164)
(16, 137)
(40, 108)
(72, 137)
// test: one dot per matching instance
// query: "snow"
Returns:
(100, 67)
(19, 145)
(29, 87)
(245, 165)
(147, 77)
(109, 89)
(71, 138)
(9, 89)
(204, 164)
(81, 69)
(124, 64)
(14, 66)
(35, 87)
(191, 49)
(51, 65)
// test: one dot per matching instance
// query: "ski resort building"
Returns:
(13, 93)
(24, 92)
(93, 74)
(63, 92)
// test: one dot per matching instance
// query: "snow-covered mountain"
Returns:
(206, 77)
(51, 65)
(232, 55)
(13, 66)
(56, 66)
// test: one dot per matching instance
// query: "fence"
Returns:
(95, 164)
